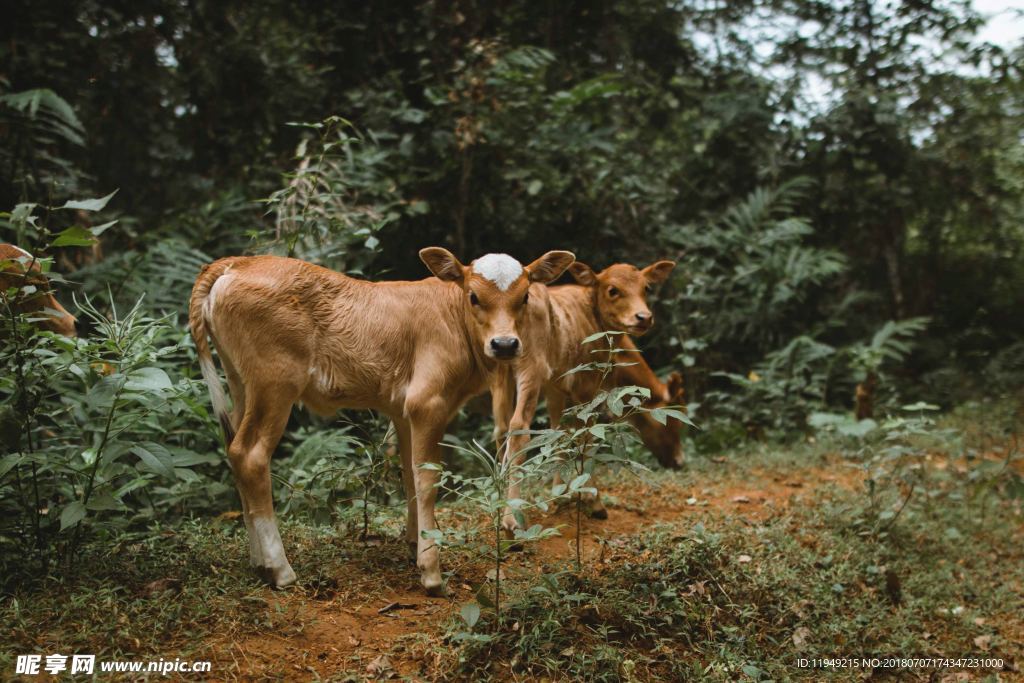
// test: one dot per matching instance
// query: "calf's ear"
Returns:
(550, 266)
(443, 264)
(583, 274)
(658, 272)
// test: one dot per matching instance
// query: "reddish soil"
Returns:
(373, 626)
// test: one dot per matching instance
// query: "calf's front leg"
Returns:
(428, 418)
(527, 394)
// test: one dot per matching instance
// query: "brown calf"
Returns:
(40, 304)
(288, 331)
(613, 300)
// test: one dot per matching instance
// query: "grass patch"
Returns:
(725, 598)
(720, 583)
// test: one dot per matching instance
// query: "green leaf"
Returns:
(75, 236)
(157, 458)
(98, 230)
(72, 514)
(470, 613)
(921, 405)
(102, 393)
(89, 204)
(8, 462)
(857, 428)
(600, 335)
(679, 415)
(579, 481)
(184, 458)
(148, 379)
(104, 501)
(483, 597)
(752, 671)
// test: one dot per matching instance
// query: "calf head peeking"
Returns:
(620, 293)
(496, 287)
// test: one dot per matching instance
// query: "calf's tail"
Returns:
(198, 320)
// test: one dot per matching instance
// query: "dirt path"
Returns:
(370, 623)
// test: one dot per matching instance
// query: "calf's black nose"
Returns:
(504, 346)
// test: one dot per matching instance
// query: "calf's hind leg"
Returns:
(264, 419)
(404, 435)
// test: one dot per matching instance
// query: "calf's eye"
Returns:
(526, 298)
(613, 292)
(473, 299)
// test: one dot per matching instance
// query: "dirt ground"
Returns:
(373, 626)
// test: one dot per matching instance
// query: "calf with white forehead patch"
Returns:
(497, 288)
(290, 332)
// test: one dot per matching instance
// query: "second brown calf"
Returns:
(613, 300)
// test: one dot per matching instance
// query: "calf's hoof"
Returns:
(599, 513)
(434, 585)
(509, 525)
(277, 577)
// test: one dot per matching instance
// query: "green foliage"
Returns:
(36, 127)
(161, 276)
(793, 386)
(488, 494)
(107, 438)
(347, 474)
(340, 195)
(98, 438)
(750, 273)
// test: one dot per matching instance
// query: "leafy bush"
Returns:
(108, 441)
(98, 438)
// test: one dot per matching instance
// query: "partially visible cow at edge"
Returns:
(612, 300)
(41, 305)
(289, 331)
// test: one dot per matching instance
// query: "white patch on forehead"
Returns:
(501, 269)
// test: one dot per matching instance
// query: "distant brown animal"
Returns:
(288, 331)
(35, 298)
(864, 397)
